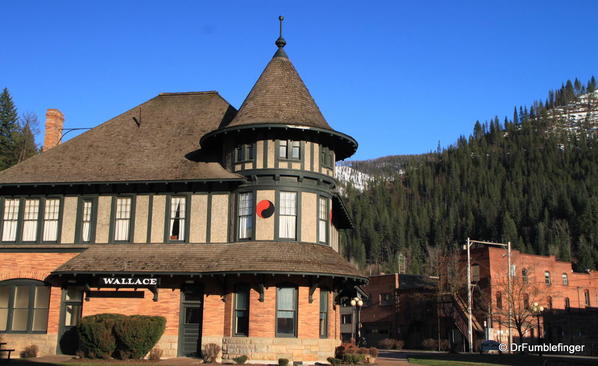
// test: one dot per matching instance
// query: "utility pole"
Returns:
(510, 296)
(469, 320)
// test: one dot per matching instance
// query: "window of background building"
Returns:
(24, 306)
(499, 300)
(322, 220)
(547, 280)
(177, 219)
(565, 279)
(245, 215)
(567, 303)
(323, 313)
(288, 215)
(586, 294)
(347, 318)
(286, 312)
(385, 299)
(122, 219)
(241, 325)
(475, 273)
(549, 302)
(524, 276)
(526, 301)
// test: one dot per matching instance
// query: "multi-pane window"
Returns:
(289, 150)
(241, 324)
(547, 278)
(10, 219)
(122, 219)
(245, 215)
(244, 152)
(565, 279)
(177, 219)
(322, 220)
(24, 307)
(288, 215)
(86, 220)
(323, 314)
(30, 218)
(51, 214)
(286, 312)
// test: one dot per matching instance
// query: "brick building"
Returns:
(224, 221)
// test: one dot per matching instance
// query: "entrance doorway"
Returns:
(191, 322)
(70, 315)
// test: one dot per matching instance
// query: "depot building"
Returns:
(224, 221)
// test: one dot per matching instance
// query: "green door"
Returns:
(191, 322)
(70, 315)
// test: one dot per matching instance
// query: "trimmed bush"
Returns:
(96, 336)
(353, 358)
(334, 361)
(283, 362)
(120, 336)
(240, 360)
(136, 335)
(430, 344)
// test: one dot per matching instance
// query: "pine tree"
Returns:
(9, 127)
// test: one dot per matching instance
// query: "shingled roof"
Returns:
(155, 141)
(242, 257)
(280, 96)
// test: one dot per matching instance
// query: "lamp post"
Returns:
(356, 303)
(537, 311)
(467, 246)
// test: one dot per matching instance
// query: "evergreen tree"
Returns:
(9, 128)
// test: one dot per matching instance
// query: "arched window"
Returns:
(499, 300)
(24, 306)
(565, 279)
(547, 278)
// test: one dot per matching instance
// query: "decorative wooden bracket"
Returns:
(154, 290)
(261, 290)
(86, 292)
(312, 289)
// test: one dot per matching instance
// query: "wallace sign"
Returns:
(128, 281)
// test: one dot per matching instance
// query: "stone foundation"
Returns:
(266, 350)
(169, 344)
(45, 342)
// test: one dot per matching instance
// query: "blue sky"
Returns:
(399, 76)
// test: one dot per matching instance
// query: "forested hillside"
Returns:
(531, 180)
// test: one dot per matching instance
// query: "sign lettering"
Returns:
(128, 281)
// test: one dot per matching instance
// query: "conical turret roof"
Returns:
(280, 96)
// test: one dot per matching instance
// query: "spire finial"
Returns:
(280, 42)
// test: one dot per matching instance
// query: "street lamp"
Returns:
(356, 303)
(467, 246)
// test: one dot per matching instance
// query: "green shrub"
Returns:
(353, 358)
(334, 361)
(240, 360)
(136, 335)
(283, 362)
(96, 336)
(121, 336)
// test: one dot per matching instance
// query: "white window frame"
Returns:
(121, 222)
(31, 211)
(288, 215)
(178, 205)
(323, 228)
(51, 220)
(10, 219)
(245, 211)
(87, 220)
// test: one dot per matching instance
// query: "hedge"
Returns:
(119, 336)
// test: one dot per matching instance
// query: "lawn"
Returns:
(419, 361)
(495, 360)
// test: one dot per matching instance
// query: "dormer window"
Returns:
(289, 150)
(244, 153)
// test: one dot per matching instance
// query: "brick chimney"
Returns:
(54, 123)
